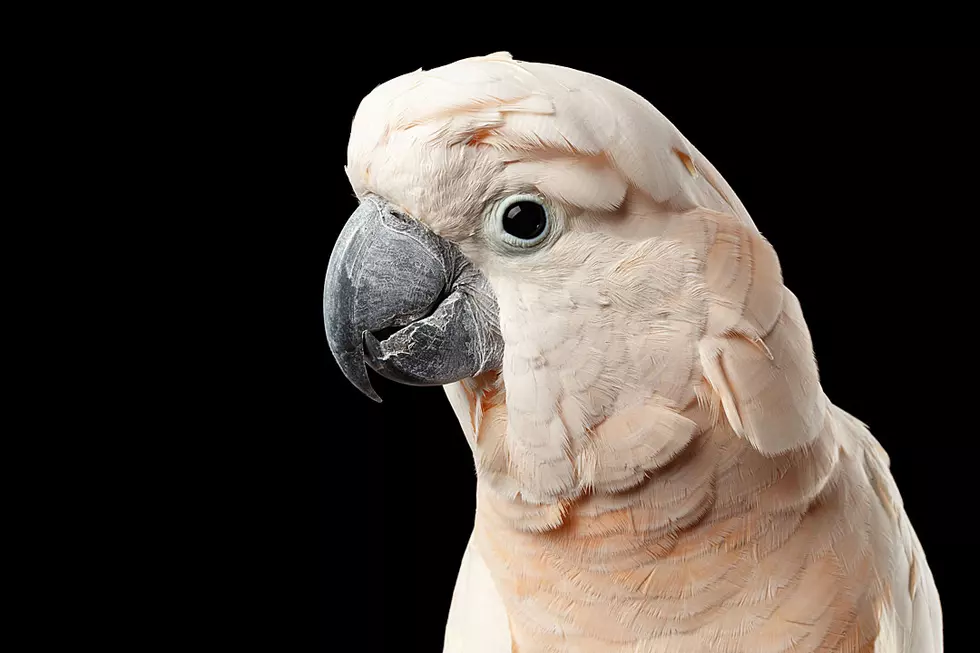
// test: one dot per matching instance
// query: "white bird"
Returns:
(659, 469)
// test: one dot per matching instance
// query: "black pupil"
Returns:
(525, 220)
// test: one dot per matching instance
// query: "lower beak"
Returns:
(406, 302)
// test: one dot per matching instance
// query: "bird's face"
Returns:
(457, 258)
(506, 222)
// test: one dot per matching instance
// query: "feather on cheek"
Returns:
(598, 362)
(601, 358)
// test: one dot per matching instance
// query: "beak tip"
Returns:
(370, 393)
(364, 385)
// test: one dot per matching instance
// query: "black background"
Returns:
(856, 164)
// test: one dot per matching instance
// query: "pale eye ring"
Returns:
(523, 220)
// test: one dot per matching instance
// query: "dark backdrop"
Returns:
(856, 166)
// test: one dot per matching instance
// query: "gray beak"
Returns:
(406, 302)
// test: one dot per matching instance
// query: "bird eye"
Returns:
(523, 219)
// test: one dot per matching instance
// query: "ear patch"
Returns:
(770, 394)
(756, 354)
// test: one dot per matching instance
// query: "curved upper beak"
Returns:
(406, 302)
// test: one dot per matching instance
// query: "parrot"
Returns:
(658, 468)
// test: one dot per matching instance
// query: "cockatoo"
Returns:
(658, 467)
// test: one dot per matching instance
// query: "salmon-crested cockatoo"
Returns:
(658, 467)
